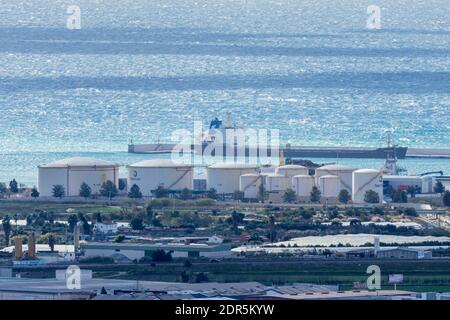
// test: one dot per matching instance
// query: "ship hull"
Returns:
(289, 152)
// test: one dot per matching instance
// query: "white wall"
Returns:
(48, 177)
(148, 179)
(93, 177)
(72, 178)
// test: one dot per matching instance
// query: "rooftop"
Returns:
(336, 167)
(160, 163)
(79, 162)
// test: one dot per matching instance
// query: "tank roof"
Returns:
(336, 167)
(303, 176)
(79, 162)
(160, 163)
(292, 166)
(329, 176)
(250, 175)
(233, 166)
(275, 175)
(368, 171)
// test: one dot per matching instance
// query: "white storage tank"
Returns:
(345, 174)
(249, 184)
(148, 175)
(329, 186)
(365, 180)
(302, 185)
(276, 182)
(291, 170)
(224, 177)
(275, 185)
(72, 172)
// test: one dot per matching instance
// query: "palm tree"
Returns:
(51, 242)
(273, 233)
(72, 221)
(6, 228)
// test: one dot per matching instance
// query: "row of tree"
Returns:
(344, 196)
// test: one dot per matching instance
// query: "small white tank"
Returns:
(302, 185)
(291, 170)
(249, 184)
(329, 186)
(365, 180)
(276, 182)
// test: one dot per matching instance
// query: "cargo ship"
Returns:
(216, 126)
(291, 151)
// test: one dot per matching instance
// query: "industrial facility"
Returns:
(228, 178)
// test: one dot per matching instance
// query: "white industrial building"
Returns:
(106, 227)
(225, 177)
(343, 172)
(249, 184)
(403, 182)
(72, 172)
(329, 187)
(365, 180)
(429, 182)
(148, 175)
(302, 185)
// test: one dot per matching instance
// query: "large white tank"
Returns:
(329, 186)
(276, 182)
(345, 174)
(224, 177)
(148, 175)
(365, 180)
(302, 185)
(291, 170)
(72, 172)
(249, 184)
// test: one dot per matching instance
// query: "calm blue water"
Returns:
(141, 69)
